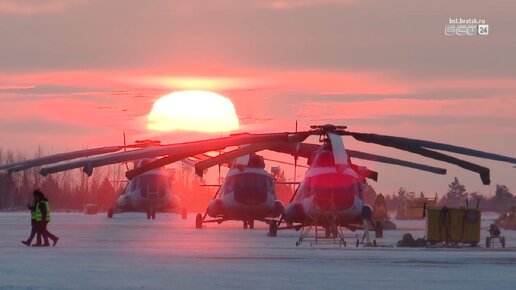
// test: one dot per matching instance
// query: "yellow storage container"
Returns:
(453, 225)
(412, 207)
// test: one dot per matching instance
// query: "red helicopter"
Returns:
(330, 195)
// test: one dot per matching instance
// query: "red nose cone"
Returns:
(334, 200)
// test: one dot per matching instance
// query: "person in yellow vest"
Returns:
(33, 221)
(42, 220)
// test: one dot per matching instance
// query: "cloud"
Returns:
(248, 119)
(207, 83)
(16, 87)
(296, 4)
(33, 7)
(480, 108)
(41, 126)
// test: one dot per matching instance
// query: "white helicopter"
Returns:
(150, 193)
(246, 194)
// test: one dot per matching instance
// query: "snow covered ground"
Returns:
(131, 252)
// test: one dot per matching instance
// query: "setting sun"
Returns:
(200, 111)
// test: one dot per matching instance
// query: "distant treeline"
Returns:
(456, 197)
(69, 190)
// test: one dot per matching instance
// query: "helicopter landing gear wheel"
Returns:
(110, 213)
(198, 221)
(184, 213)
(273, 229)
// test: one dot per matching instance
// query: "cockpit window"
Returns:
(248, 181)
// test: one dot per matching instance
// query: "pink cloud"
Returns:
(314, 81)
(208, 83)
(484, 83)
(16, 87)
(321, 82)
(500, 107)
(37, 6)
(120, 87)
(296, 4)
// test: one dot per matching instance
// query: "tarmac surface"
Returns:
(131, 252)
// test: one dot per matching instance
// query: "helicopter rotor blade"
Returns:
(228, 156)
(217, 144)
(306, 150)
(395, 161)
(339, 152)
(182, 150)
(385, 140)
(54, 158)
(481, 170)
(365, 172)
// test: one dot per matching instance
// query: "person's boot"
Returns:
(37, 245)
(55, 241)
(26, 243)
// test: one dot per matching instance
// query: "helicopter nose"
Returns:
(336, 199)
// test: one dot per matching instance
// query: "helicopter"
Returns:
(246, 194)
(149, 193)
(330, 195)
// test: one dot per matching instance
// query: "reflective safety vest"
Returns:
(47, 205)
(37, 215)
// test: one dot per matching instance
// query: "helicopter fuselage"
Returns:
(327, 193)
(246, 194)
(151, 191)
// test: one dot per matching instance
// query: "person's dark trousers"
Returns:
(34, 230)
(46, 234)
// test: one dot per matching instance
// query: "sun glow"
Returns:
(200, 111)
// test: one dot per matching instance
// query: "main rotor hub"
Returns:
(147, 143)
(323, 130)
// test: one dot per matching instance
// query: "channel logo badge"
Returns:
(466, 26)
(483, 29)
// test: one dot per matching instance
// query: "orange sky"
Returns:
(78, 73)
